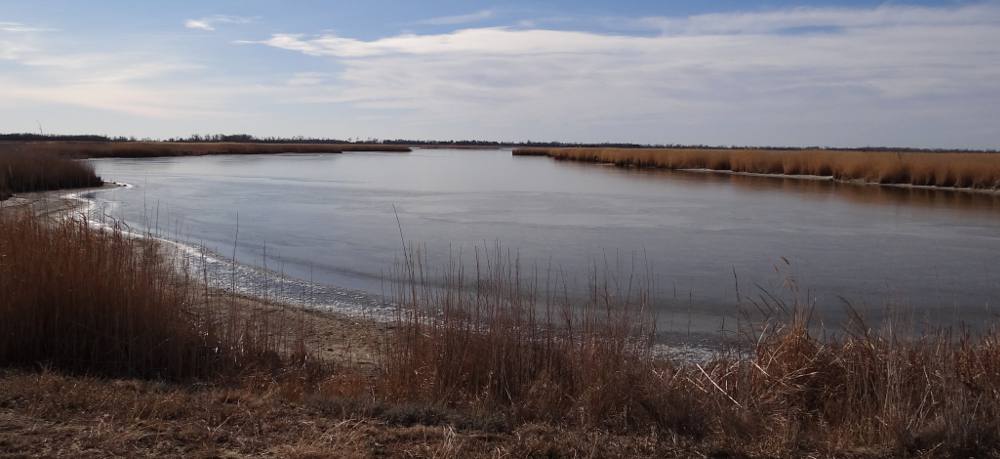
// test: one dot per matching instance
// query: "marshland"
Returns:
(978, 170)
(461, 303)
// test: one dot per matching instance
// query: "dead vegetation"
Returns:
(22, 172)
(942, 169)
(102, 302)
(489, 343)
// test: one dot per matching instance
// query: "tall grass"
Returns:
(943, 169)
(159, 149)
(487, 341)
(25, 172)
(102, 302)
(490, 341)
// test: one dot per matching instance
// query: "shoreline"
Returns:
(830, 178)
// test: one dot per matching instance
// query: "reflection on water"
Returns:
(332, 218)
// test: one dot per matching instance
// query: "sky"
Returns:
(845, 73)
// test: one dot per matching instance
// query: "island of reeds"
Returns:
(949, 169)
(108, 348)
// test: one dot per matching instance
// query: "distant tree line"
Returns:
(25, 137)
(247, 138)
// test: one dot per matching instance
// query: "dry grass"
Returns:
(486, 343)
(489, 341)
(46, 414)
(157, 149)
(20, 173)
(91, 301)
(943, 169)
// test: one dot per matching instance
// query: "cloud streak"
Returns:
(16, 27)
(823, 18)
(209, 23)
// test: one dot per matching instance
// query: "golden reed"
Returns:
(978, 170)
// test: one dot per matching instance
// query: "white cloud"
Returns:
(209, 23)
(459, 19)
(891, 74)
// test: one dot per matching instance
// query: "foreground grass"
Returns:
(49, 414)
(161, 149)
(479, 345)
(943, 169)
(102, 302)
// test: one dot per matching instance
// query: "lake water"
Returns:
(332, 219)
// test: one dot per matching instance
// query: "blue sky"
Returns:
(835, 73)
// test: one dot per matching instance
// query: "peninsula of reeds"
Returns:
(22, 172)
(975, 170)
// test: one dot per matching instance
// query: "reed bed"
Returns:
(160, 149)
(101, 302)
(482, 342)
(22, 172)
(488, 342)
(980, 170)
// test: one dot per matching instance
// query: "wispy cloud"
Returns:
(891, 75)
(470, 18)
(308, 79)
(209, 23)
(136, 83)
(9, 50)
(16, 27)
(16, 39)
(826, 18)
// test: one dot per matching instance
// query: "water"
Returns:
(332, 219)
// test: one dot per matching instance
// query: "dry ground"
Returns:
(52, 415)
